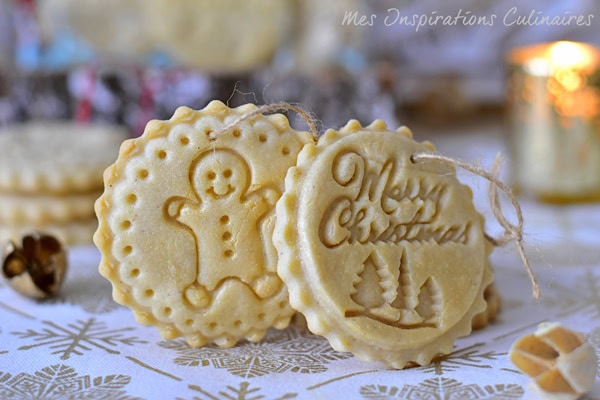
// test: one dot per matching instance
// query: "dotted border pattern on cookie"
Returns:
(215, 114)
(290, 269)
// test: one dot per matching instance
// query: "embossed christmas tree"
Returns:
(374, 289)
(391, 300)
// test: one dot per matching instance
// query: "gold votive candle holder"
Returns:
(554, 121)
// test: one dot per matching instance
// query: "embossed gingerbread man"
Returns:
(225, 219)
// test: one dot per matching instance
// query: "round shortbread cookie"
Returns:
(112, 27)
(193, 33)
(56, 157)
(186, 220)
(72, 233)
(385, 257)
(18, 209)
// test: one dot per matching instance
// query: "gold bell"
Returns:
(37, 269)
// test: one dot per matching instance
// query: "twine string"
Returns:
(270, 108)
(512, 232)
(497, 209)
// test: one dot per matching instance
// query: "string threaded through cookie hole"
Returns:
(310, 120)
(512, 232)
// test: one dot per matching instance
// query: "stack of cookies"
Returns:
(50, 177)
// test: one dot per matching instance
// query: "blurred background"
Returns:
(129, 61)
(469, 75)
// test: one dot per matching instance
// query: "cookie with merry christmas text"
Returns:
(186, 220)
(384, 256)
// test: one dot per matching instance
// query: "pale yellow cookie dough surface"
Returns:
(384, 257)
(69, 233)
(113, 27)
(225, 36)
(493, 300)
(44, 209)
(493, 307)
(186, 224)
(56, 157)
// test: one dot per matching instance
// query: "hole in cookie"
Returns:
(212, 325)
(228, 253)
(167, 311)
(282, 304)
(184, 140)
(237, 323)
(127, 250)
(149, 293)
(227, 173)
(211, 175)
(131, 198)
(237, 133)
(208, 131)
(126, 224)
(262, 137)
(161, 154)
(285, 151)
(143, 173)
(189, 322)
(227, 236)
(224, 219)
(135, 273)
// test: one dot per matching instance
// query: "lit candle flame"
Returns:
(548, 58)
(571, 55)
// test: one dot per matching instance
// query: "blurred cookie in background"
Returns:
(50, 176)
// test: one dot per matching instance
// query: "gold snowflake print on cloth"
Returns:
(442, 388)
(291, 350)
(78, 337)
(244, 391)
(63, 382)
(579, 296)
(475, 356)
